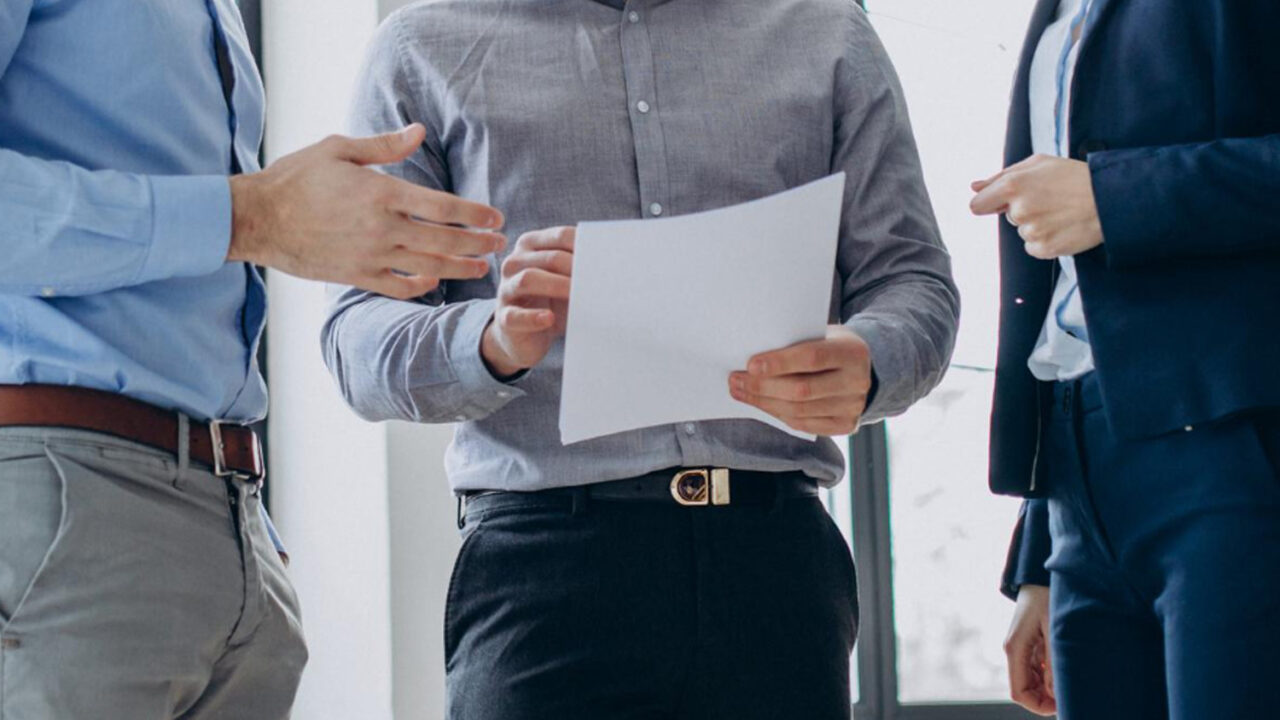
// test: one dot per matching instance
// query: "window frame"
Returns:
(877, 648)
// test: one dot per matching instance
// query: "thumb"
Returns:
(384, 149)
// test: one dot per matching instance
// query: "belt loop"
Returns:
(184, 448)
(580, 497)
(778, 498)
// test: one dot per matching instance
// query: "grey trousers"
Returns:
(136, 587)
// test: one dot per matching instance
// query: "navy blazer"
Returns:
(1176, 108)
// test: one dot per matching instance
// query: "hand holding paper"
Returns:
(533, 301)
(664, 311)
(819, 387)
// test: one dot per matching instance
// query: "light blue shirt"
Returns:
(1063, 351)
(115, 211)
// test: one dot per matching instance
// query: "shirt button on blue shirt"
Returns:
(633, 16)
(643, 107)
(655, 209)
(690, 428)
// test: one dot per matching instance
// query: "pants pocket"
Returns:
(451, 630)
(842, 555)
(1266, 426)
(32, 523)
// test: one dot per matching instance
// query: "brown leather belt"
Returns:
(231, 451)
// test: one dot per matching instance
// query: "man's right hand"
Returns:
(1028, 651)
(533, 301)
(321, 214)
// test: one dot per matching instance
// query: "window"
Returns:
(929, 539)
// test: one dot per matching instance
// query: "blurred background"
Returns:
(370, 520)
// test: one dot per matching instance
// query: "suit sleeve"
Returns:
(897, 290)
(71, 231)
(1184, 202)
(1029, 550)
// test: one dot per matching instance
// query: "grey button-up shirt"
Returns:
(574, 110)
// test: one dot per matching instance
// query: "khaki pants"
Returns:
(133, 586)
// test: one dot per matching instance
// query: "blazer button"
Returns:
(1089, 146)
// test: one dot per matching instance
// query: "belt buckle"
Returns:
(701, 487)
(220, 469)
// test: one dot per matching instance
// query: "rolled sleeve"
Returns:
(191, 227)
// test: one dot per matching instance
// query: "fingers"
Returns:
(397, 286)
(1027, 650)
(524, 320)
(795, 388)
(980, 185)
(553, 261)
(1025, 683)
(440, 240)
(993, 198)
(787, 409)
(829, 427)
(379, 149)
(809, 357)
(560, 238)
(449, 267)
(533, 284)
(441, 208)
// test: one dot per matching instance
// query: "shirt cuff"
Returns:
(190, 228)
(485, 394)
(886, 368)
(1029, 551)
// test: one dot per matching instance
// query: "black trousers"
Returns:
(561, 608)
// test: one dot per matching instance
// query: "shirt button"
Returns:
(690, 428)
(1189, 428)
(633, 16)
(655, 209)
(1018, 301)
(504, 394)
(48, 292)
(643, 107)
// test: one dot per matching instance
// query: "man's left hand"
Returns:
(817, 387)
(1050, 200)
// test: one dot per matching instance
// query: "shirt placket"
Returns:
(645, 109)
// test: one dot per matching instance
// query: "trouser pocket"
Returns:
(1267, 427)
(32, 519)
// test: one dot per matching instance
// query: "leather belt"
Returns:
(688, 487)
(231, 451)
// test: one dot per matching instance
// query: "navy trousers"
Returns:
(1165, 567)
(562, 608)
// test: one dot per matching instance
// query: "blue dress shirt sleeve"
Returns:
(72, 231)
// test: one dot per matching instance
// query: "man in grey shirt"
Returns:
(676, 571)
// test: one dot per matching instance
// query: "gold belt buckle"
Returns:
(701, 487)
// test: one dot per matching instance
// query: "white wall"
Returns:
(364, 508)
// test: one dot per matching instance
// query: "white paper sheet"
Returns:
(662, 311)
